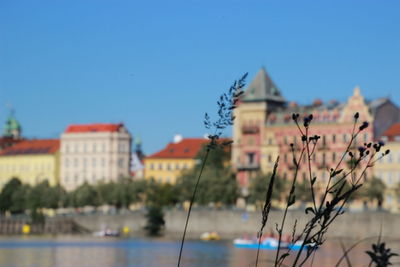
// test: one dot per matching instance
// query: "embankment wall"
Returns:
(231, 223)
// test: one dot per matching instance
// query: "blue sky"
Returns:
(158, 66)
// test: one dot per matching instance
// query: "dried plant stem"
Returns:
(288, 202)
(266, 208)
(191, 204)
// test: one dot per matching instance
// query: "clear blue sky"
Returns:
(158, 66)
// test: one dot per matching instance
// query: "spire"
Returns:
(262, 88)
(12, 128)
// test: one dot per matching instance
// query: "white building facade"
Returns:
(94, 153)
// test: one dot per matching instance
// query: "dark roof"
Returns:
(262, 88)
(30, 147)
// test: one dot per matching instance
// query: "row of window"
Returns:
(390, 158)
(93, 148)
(13, 167)
(389, 177)
(85, 162)
(168, 166)
(325, 139)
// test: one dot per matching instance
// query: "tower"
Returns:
(260, 98)
(12, 128)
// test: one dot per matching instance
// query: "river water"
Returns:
(67, 251)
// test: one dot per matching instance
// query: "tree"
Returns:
(374, 189)
(259, 185)
(85, 195)
(303, 190)
(155, 220)
(6, 194)
(218, 184)
(20, 199)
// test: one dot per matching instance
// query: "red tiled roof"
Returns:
(28, 147)
(8, 141)
(96, 127)
(392, 131)
(186, 148)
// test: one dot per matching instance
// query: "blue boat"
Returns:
(268, 243)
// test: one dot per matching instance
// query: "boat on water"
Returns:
(107, 233)
(267, 243)
(213, 236)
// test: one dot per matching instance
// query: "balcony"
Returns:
(248, 166)
(250, 129)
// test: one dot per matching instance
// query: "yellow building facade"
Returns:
(31, 161)
(166, 165)
(388, 169)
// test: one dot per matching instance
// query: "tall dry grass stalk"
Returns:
(226, 104)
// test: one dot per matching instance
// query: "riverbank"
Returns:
(232, 223)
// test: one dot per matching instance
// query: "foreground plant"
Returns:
(226, 104)
(341, 185)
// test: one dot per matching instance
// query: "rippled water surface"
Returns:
(105, 252)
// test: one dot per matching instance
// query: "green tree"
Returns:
(155, 220)
(374, 189)
(6, 195)
(258, 187)
(303, 190)
(218, 184)
(85, 195)
(20, 199)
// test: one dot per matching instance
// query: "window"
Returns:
(67, 148)
(324, 140)
(269, 158)
(168, 179)
(344, 137)
(94, 162)
(269, 141)
(94, 147)
(333, 157)
(285, 158)
(84, 148)
(103, 162)
(365, 137)
(285, 140)
(76, 162)
(160, 166)
(389, 158)
(334, 138)
(151, 166)
(103, 147)
(168, 166)
(250, 158)
(177, 166)
(67, 163)
(121, 162)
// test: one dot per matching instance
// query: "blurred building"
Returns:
(167, 164)
(93, 153)
(388, 168)
(31, 161)
(137, 160)
(12, 131)
(264, 129)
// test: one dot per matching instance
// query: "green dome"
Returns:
(12, 128)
